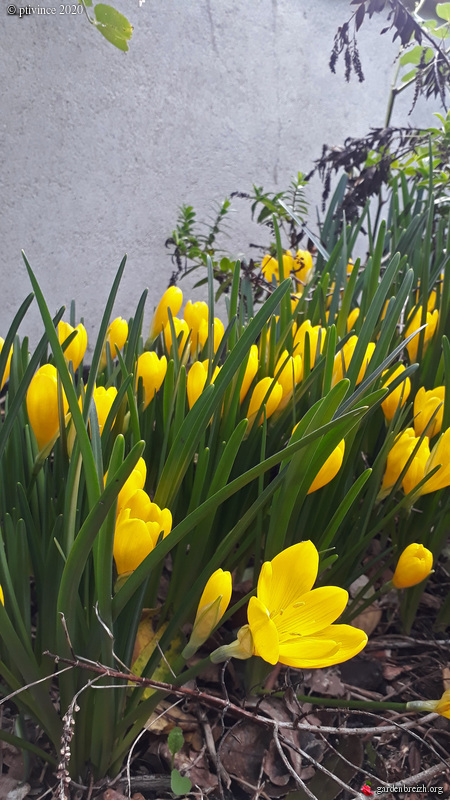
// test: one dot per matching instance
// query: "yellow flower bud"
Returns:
(103, 399)
(314, 332)
(398, 395)
(134, 482)
(302, 267)
(173, 299)
(2, 596)
(270, 269)
(116, 337)
(413, 566)
(211, 608)
(259, 393)
(250, 371)
(152, 370)
(351, 319)
(196, 314)
(181, 327)
(343, 359)
(42, 404)
(203, 332)
(291, 374)
(136, 537)
(329, 469)
(441, 706)
(77, 348)
(8, 364)
(425, 404)
(413, 323)
(196, 380)
(397, 458)
(439, 455)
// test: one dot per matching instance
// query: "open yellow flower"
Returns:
(211, 608)
(413, 324)
(8, 364)
(77, 348)
(425, 404)
(413, 566)
(42, 404)
(290, 622)
(152, 370)
(329, 469)
(173, 299)
(398, 395)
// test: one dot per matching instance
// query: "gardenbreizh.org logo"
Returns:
(399, 788)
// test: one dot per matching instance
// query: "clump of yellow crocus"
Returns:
(173, 299)
(290, 622)
(425, 404)
(77, 347)
(344, 356)
(8, 364)
(42, 404)
(413, 566)
(397, 396)
(152, 370)
(211, 608)
(413, 324)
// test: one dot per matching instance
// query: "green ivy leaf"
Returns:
(443, 11)
(175, 740)
(179, 784)
(113, 26)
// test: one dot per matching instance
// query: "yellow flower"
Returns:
(290, 622)
(77, 348)
(398, 395)
(302, 267)
(441, 706)
(211, 608)
(351, 319)
(103, 399)
(42, 404)
(329, 469)
(196, 380)
(2, 596)
(413, 323)
(250, 371)
(116, 337)
(181, 327)
(259, 393)
(413, 566)
(439, 455)
(315, 333)
(134, 482)
(203, 332)
(291, 374)
(397, 458)
(270, 269)
(8, 364)
(425, 404)
(152, 370)
(343, 359)
(194, 315)
(173, 299)
(135, 538)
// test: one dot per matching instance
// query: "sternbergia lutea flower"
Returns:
(290, 622)
(42, 404)
(173, 299)
(413, 566)
(75, 351)
(211, 608)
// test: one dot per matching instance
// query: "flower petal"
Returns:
(294, 571)
(343, 642)
(314, 611)
(263, 630)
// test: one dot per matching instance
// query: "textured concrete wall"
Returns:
(101, 147)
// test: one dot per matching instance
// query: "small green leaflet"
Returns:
(113, 26)
(443, 11)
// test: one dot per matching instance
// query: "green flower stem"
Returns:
(368, 705)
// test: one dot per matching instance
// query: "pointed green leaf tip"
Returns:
(113, 26)
(175, 740)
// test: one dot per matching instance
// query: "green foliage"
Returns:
(110, 23)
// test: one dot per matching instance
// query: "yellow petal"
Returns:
(314, 611)
(343, 642)
(292, 574)
(264, 632)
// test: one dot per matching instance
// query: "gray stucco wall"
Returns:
(101, 147)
